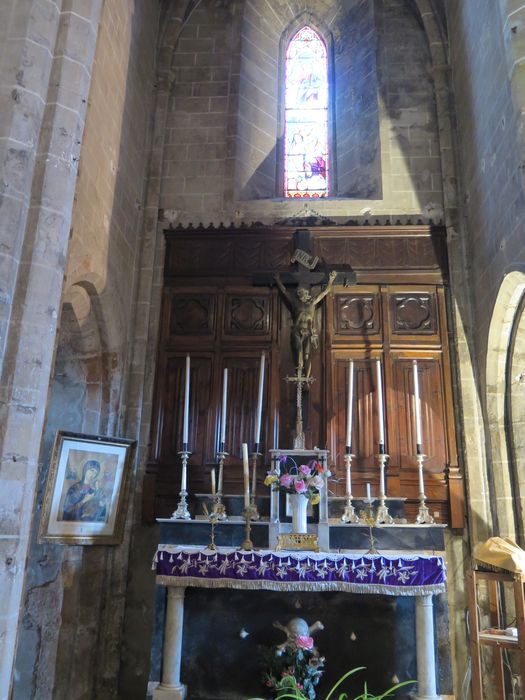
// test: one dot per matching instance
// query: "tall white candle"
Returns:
(213, 481)
(260, 401)
(420, 474)
(186, 403)
(368, 492)
(349, 405)
(380, 404)
(246, 475)
(183, 483)
(417, 401)
(224, 399)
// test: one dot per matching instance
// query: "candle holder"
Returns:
(253, 503)
(423, 515)
(182, 512)
(219, 508)
(247, 545)
(349, 514)
(212, 519)
(382, 515)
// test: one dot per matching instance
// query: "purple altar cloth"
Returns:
(406, 574)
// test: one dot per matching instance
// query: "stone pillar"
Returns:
(44, 124)
(425, 649)
(170, 688)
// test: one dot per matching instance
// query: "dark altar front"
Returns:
(388, 307)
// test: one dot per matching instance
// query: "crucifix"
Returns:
(302, 305)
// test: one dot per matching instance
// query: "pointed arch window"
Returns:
(306, 157)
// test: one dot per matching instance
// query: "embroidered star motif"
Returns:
(203, 569)
(242, 569)
(361, 574)
(281, 571)
(404, 574)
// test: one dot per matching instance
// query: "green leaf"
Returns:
(343, 678)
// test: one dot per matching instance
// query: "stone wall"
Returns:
(222, 122)
(489, 125)
(45, 76)
(75, 596)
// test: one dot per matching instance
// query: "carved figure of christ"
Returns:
(304, 334)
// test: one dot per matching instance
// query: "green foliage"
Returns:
(291, 690)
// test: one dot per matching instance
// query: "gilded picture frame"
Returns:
(87, 488)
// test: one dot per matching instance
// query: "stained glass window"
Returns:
(306, 116)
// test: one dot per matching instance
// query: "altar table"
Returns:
(419, 575)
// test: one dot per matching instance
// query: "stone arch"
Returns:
(508, 311)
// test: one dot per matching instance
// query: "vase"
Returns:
(299, 508)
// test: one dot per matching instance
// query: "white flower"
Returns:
(317, 482)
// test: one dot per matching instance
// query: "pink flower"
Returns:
(300, 486)
(303, 641)
(305, 469)
(286, 480)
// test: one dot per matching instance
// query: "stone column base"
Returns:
(167, 692)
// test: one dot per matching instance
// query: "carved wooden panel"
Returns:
(243, 387)
(191, 314)
(402, 417)
(413, 314)
(383, 252)
(170, 418)
(219, 308)
(365, 426)
(247, 315)
(224, 252)
(357, 314)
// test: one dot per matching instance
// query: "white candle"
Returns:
(348, 477)
(246, 475)
(186, 404)
(417, 401)
(421, 482)
(260, 402)
(183, 479)
(349, 405)
(213, 481)
(380, 404)
(368, 491)
(224, 399)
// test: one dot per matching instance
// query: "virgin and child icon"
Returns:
(86, 500)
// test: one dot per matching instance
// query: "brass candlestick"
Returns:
(423, 515)
(349, 515)
(182, 512)
(213, 522)
(253, 504)
(382, 515)
(247, 545)
(218, 506)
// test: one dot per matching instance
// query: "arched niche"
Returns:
(505, 355)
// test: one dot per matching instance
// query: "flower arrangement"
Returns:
(296, 667)
(305, 479)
